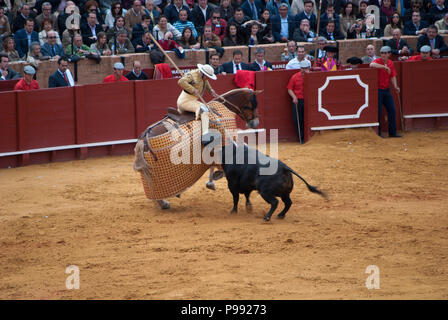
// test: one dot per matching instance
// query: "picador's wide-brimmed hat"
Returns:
(207, 70)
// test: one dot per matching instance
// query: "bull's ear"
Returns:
(218, 175)
(258, 92)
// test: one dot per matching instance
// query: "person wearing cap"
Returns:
(117, 76)
(295, 90)
(329, 63)
(386, 75)
(193, 85)
(27, 82)
(425, 54)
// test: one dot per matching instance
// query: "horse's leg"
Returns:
(163, 204)
(211, 183)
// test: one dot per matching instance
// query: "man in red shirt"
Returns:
(387, 75)
(295, 89)
(27, 82)
(425, 55)
(117, 75)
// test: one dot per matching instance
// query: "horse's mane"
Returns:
(235, 91)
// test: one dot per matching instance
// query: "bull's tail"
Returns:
(310, 187)
(140, 163)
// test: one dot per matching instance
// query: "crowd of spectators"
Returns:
(33, 31)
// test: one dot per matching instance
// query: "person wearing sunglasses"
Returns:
(219, 25)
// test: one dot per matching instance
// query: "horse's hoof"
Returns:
(164, 204)
(210, 185)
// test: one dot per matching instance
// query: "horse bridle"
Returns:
(235, 106)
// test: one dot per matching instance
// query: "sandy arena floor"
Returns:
(388, 207)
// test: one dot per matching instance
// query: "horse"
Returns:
(161, 177)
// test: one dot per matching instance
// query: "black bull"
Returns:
(244, 170)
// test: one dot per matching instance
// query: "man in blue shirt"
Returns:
(24, 37)
(283, 25)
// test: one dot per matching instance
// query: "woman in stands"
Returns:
(163, 27)
(233, 36)
(347, 17)
(188, 41)
(9, 47)
(265, 20)
(395, 23)
(119, 25)
(116, 10)
(253, 33)
(100, 47)
(226, 10)
(47, 26)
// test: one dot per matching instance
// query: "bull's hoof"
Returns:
(210, 185)
(266, 218)
(233, 211)
(281, 216)
(249, 207)
(164, 204)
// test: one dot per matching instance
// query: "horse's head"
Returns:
(244, 103)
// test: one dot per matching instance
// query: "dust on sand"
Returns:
(388, 207)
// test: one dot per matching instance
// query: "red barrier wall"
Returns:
(7, 85)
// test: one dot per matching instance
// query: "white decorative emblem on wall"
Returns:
(321, 108)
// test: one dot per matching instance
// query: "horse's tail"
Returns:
(140, 163)
(310, 187)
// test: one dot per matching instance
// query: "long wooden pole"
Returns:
(317, 33)
(166, 55)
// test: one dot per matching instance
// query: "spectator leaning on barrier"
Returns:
(123, 45)
(296, 91)
(331, 33)
(425, 54)
(60, 78)
(234, 36)
(6, 73)
(260, 64)
(398, 45)
(78, 48)
(188, 41)
(434, 40)
(210, 40)
(100, 47)
(137, 73)
(295, 63)
(370, 54)
(416, 26)
(35, 55)
(214, 62)
(236, 64)
(163, 27)
(303, 33)
(289, 52)
(27, 82)
(144, 44)
(117, 76)
(386, 75)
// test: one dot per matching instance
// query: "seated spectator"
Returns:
(163, 27)
(46, 14)
(370, 54)
(252, 8)
(238, 17)
(214, 62)
(434, 40)
(70, 8)
(425, 54)
(218, 24)
(273, 5)
(9, 48)
(330, 63)
(357, 30)
(254, 35)
(51, 48)
(168, 44)
(27, 82)
(100, 47)
(395, 23)
(137, 73)
(152, 11)
(115, 11)
(442, 24)
(289, 52)
(398, 45)
(329, 15)
(321, 53)
(35, 55)
(437, 11)
(141, 28)
(47, 27)
(122, 45)
(387, 10)
(133, 15)
(298, 6)
(234, 36)
(90, 30)
(117, 76)
(78, 48)
(188, 41)
(183, 23)
(144, 43)
(347, 17)
(303, 33)
(6, 73)
(416, 6)
(337, 4)
(226, 10)
(371, 31)
(68, 36)
(283, 25)
(209, 39)
(416, 26)
(266, 26)
(24, 37)
(260, 64)
(363, 4)
(60, 78)
(172, 11)
(300, 56)
(197, 14)
(236, 63)
(23, 14)
(5, 29)
(119, 26)
(308, 13)
(331, 33)
(91, 6)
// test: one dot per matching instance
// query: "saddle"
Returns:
(178, 117)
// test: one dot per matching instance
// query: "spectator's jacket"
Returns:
(336, 35)
(130, 19)
(215, 42)
(247, 8)
(172, 14)
(143, 48)
(127, 47)
(19, 22)
(392, 43)
(436, 14)
(439, 42)
(158, 34)
(181, 25)
(75, 50)
(312, 19)
(410, 29)
(277, 27)
(12, 75)
(138, 30)
(21, 40)
(131, 76)
(228, 67)
(324, 21)
(441, 26)
(57, 80)
(273, 7)
(86, 33)
(256, 67)
(219, 31)
(198, 18)
(22, 85)
(47, 50)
